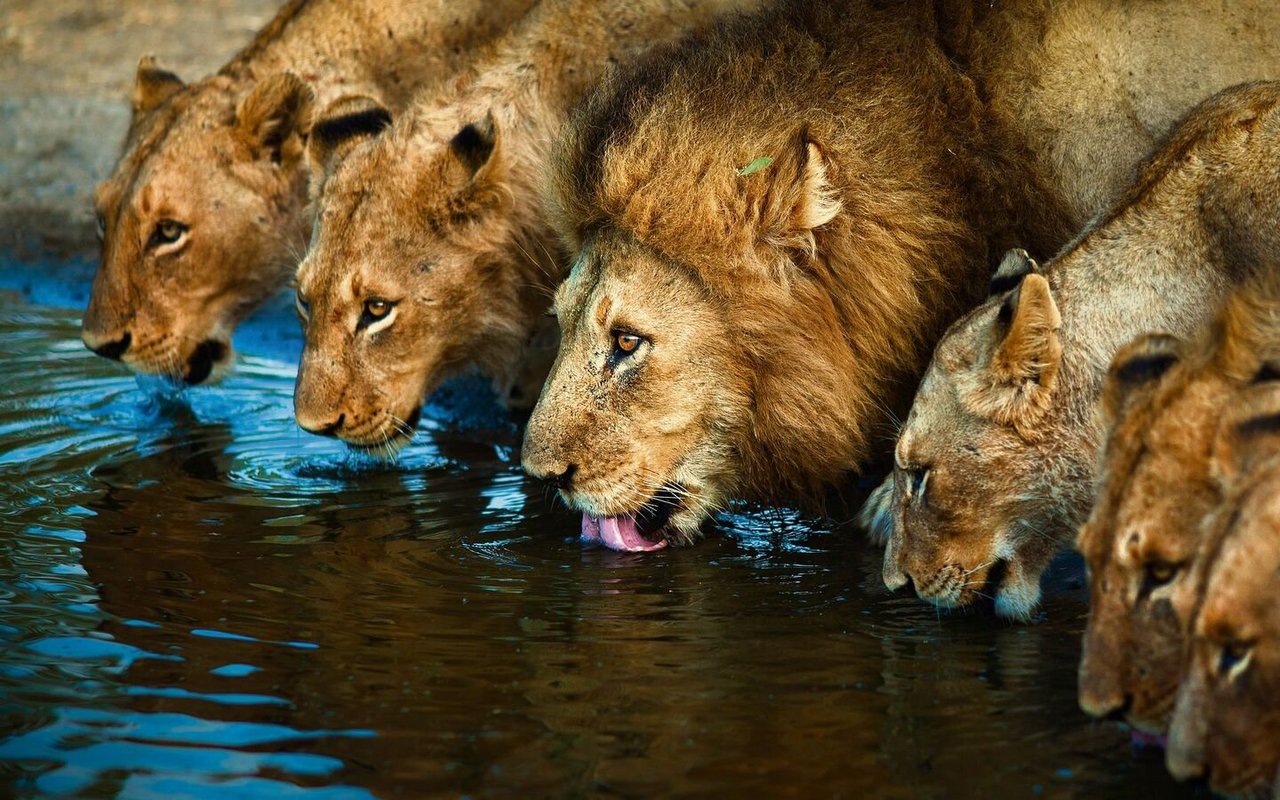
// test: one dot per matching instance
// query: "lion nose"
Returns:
(561, 477)
(323, 429)
(113, 349)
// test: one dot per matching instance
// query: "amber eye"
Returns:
(167, 231)
(626, 342)
(375, 310)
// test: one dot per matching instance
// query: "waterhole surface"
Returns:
(198, 600)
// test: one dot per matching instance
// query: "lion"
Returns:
(1226, 723)
(1169, 406)
(432, 252)
(203, 215)
(996, 461)
(761, 267)
(674, 245)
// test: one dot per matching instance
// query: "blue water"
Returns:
(198, 600)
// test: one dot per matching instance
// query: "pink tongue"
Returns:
(617, 533)
(1138, 738)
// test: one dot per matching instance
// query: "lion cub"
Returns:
(1227, 718)
(431, 252)
(1168, 403)
(996, 460)
(202, 217)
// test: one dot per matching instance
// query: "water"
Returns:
(197, 600)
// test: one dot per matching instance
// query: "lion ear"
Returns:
(1135, 371)
(342, 125)
(1014, 266)
(275, 111)
(473, 146)
(1024, 365)
(153, 85)
(800, 197)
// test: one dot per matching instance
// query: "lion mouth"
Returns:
(391, 443)
(638, 532)
(200, 365)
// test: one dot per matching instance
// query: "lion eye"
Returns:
(375, 310)
(626, 343)
(167, 231)
(917, 482)
(303, 307)
(1233, 658)
(102, 227)
(1156, 574)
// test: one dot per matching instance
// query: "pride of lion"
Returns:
(1024, 255)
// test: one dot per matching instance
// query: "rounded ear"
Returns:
(474, 145)
(1249, 435)
(342, 125)
(1014, 266)
(1015, 387)
(798, 196)
(153, 85)
(275, 111)
(1136, 370)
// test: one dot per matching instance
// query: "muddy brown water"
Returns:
(198, 600)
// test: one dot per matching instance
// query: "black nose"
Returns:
(115, 350)
(326, 430)
(564, 480)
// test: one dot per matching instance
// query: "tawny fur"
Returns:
(818, 331)
(1012, 482)
(442, 213)
(1184, 419)
(1226, 722)
(223, 156)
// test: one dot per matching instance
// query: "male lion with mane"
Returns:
(995, 463)
(731, 331)
(771, 222)
(1172, 408)
(203, 217)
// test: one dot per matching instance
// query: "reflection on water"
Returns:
(198, 600)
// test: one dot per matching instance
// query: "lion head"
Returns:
(196, 221)
(753, 295)
(1166, 403)
(421, 265)
(981, 483)
(1227, 719)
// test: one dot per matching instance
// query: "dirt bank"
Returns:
(66, 70)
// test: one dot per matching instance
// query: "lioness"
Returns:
(432, 252)
(1227, 719)
(995, 462)
(203, 216)
(728, 333)
(1165, 402)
